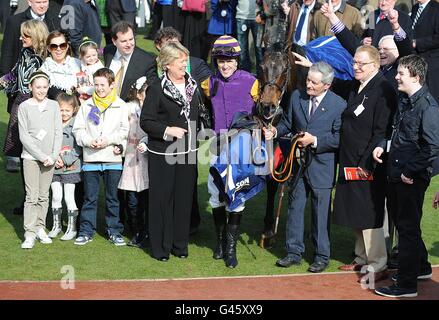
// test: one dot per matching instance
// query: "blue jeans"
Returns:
(250, 25)
(320, 206)
(90, 206)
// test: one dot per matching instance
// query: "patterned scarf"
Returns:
(100, 105)
(170, 90)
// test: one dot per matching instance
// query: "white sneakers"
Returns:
(43, 237)
(28, 243)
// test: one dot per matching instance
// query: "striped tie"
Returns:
(418, 14)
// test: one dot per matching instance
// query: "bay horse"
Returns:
(280, 77)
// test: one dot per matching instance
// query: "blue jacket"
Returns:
(218, 24)
(325, 124)
(164, 2)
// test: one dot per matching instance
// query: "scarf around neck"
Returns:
(171, 91)
(101, 105)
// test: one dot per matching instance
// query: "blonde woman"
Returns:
(33, 34)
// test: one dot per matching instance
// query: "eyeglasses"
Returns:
(360, 64)
(386, 49)
(54, 46)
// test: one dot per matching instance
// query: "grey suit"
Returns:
(319, 176)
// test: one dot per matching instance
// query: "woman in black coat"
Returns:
(169, 117)
(359, 204)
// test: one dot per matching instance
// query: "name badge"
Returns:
(359, 110)
(40, 136)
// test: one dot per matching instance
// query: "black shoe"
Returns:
(163, 259)
(18, 211)
(422, 276)
(180, 255)
(138, 240)
(396, 292)
(317, 267)
(288, 261)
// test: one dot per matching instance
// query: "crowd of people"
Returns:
(132, 119)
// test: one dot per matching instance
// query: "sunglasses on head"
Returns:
(54, 46)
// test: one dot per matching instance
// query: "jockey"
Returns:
(230, 90)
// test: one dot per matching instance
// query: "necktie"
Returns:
(299, 28)
(382, 16)
(418, 14)
(119, 75)
(313, 106)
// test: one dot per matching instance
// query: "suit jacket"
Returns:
(141, 64)
(349, 15)
(325, 124)
(12, 44)
(426, 35)
(384, 28)
(293, 16)
(86, 22)
(128, 5)
(159, 112)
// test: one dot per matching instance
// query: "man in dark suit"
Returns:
(86, 22)
(136, 62)
(119, 10)
(425, 16)
(316, 113)
(379, 25)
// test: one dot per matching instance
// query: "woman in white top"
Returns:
(60, 65)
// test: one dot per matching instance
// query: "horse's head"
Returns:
(275, 78)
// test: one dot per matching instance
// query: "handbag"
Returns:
(204, 114)
(194, 6)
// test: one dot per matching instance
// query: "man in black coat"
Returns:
(85, 19)
(426, 39)
(11, 46)
(378, 24)
(136, 62)
(412, 148)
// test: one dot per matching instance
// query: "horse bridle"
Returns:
(281, 89)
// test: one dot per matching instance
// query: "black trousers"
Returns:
(405, 204)
(171, 188)
(116, 14)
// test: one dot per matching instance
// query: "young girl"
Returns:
(135, 171)
(90, 63)
(67, 170)
(40, 129)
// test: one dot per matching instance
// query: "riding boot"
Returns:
(220, 219)
(57, 227)
(232, 239)
(72, 215)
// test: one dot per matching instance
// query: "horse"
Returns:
(280, 77)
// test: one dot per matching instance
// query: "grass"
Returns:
(101, 260)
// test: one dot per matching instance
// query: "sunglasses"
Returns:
(54, 46)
